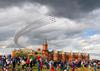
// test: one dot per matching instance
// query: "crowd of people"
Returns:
(29, 63)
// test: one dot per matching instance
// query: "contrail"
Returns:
(33, 26)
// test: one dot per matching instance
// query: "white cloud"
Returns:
(63, 34)
(21, 15)
(14, 18)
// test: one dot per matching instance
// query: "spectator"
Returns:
(28, 62)
(52, 68)
(14, 64)
(95, 67)
(73, 66)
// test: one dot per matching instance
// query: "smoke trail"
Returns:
(42, 22)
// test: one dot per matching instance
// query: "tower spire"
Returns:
(45, 48)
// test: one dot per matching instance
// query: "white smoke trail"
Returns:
(31, 27)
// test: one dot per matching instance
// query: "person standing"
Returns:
(52, 68)
(23, 64)
(47, 64)
(4, 61)
(82, 66)
(38, 65)
(95, 67)
(14, 64)
(61, 65)
(50, 63)
(31, 64)
(73, 66)
(28, 62)
(18, 67)
(89, 67)
(41, 64)
(68, 67)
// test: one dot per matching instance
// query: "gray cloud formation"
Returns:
(66, 33)
(62, 8)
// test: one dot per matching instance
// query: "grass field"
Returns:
(36, 69)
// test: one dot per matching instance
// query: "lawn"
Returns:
(35, 69)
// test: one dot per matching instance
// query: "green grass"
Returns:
(35, 69)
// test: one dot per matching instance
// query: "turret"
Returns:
(45, 49)
(45, 45)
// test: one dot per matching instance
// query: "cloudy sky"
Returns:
(70, 25)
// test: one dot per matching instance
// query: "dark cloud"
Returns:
(5, 3)
(71, 8)
(89, 5)
(63, 8)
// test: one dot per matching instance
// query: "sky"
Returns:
(69, 25)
